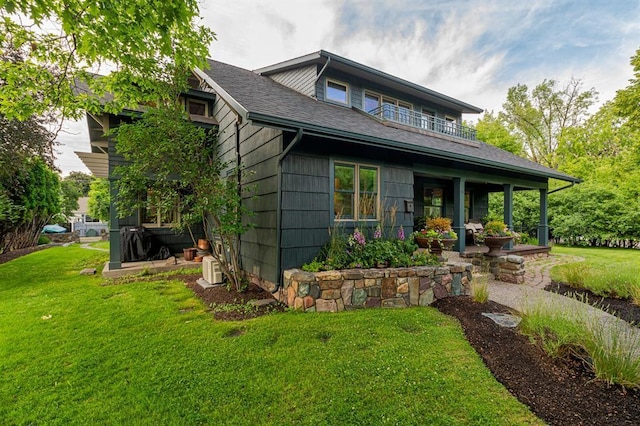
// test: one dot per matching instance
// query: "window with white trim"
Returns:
(337, 91)
(197, 107)
(356, 192)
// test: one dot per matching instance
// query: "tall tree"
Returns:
(628, 99)
(493, 130)
(540, 117)
(50, 48)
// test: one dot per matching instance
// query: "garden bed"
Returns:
(561, 392)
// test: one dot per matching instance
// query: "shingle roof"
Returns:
(269, 102)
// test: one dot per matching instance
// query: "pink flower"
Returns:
(378, 233)
(401, 233)
(358, 237)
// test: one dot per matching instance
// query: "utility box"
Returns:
(211, 270)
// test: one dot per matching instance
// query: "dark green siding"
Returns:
(259, 150)
(300, 79)
(305, 207)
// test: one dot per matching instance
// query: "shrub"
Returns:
(43, 240)
(609, 346)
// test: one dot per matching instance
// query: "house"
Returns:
(330, 139)
(83, 223)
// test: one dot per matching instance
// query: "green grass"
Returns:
(76, 349)
(100, 244)
(610, 348)
(605, 271)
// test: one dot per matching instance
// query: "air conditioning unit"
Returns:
(211, 270)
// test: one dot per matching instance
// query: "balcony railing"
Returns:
(412, 118)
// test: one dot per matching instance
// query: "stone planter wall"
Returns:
(334, 291)
(509, 269)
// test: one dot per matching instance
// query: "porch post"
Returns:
(543, 227)
(508, 209)
(458, 213)
(114, 228)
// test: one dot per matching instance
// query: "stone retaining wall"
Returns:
(508, 268)
(334, 291)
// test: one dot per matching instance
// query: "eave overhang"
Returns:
(312, 129)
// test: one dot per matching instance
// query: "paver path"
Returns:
(538, 271)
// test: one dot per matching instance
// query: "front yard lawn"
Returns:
(76, 349)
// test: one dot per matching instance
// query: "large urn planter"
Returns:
(434, 245)
(495, 245)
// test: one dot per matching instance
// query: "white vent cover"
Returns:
(211, 271)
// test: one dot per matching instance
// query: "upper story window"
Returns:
(371, 101)
(337, 91)
(197, 107)
(356, 194)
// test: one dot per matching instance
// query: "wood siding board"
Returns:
(304, 219)
(294, 258)
(298, 201)
(258, 187)
(306, 165)
(264, 203)
(298, 183)
(309, 237)
(300, 79)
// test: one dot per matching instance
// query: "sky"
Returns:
(467, 49)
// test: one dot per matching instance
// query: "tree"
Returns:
(99, 199)
(81, 181)
(50, 48)
(628, 99)
(540, 118)
(29, 198)
(494, 131)
(176, 163)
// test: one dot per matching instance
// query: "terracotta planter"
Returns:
(495, 245)
(422, 242)
(436, 246)
(203, 244)
(189, 254)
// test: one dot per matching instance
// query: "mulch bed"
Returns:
(561, 392)
(220, 295)
(622, 308)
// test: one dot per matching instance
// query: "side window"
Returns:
(337, 91)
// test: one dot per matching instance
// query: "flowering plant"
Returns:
(496, 228)
(437, 228)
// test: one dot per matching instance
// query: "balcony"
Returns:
(420, 121)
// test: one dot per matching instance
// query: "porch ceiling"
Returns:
(97, 163)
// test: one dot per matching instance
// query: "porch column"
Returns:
(114, 228)
(458, 213)
(508, 209)
(543, 226)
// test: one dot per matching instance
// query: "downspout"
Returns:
(281, 157)
(238, 187)
(561, 188)
(326, 64)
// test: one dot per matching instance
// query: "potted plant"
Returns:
(436, 235)
(495, 235)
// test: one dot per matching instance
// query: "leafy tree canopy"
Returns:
(540, 117)
(493, 130)
(99, 199)
(50, 48)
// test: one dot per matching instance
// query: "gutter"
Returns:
(281, 157)
(561, 188)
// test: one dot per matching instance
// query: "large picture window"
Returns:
(356, 192)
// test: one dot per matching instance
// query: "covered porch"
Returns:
(463, 196)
